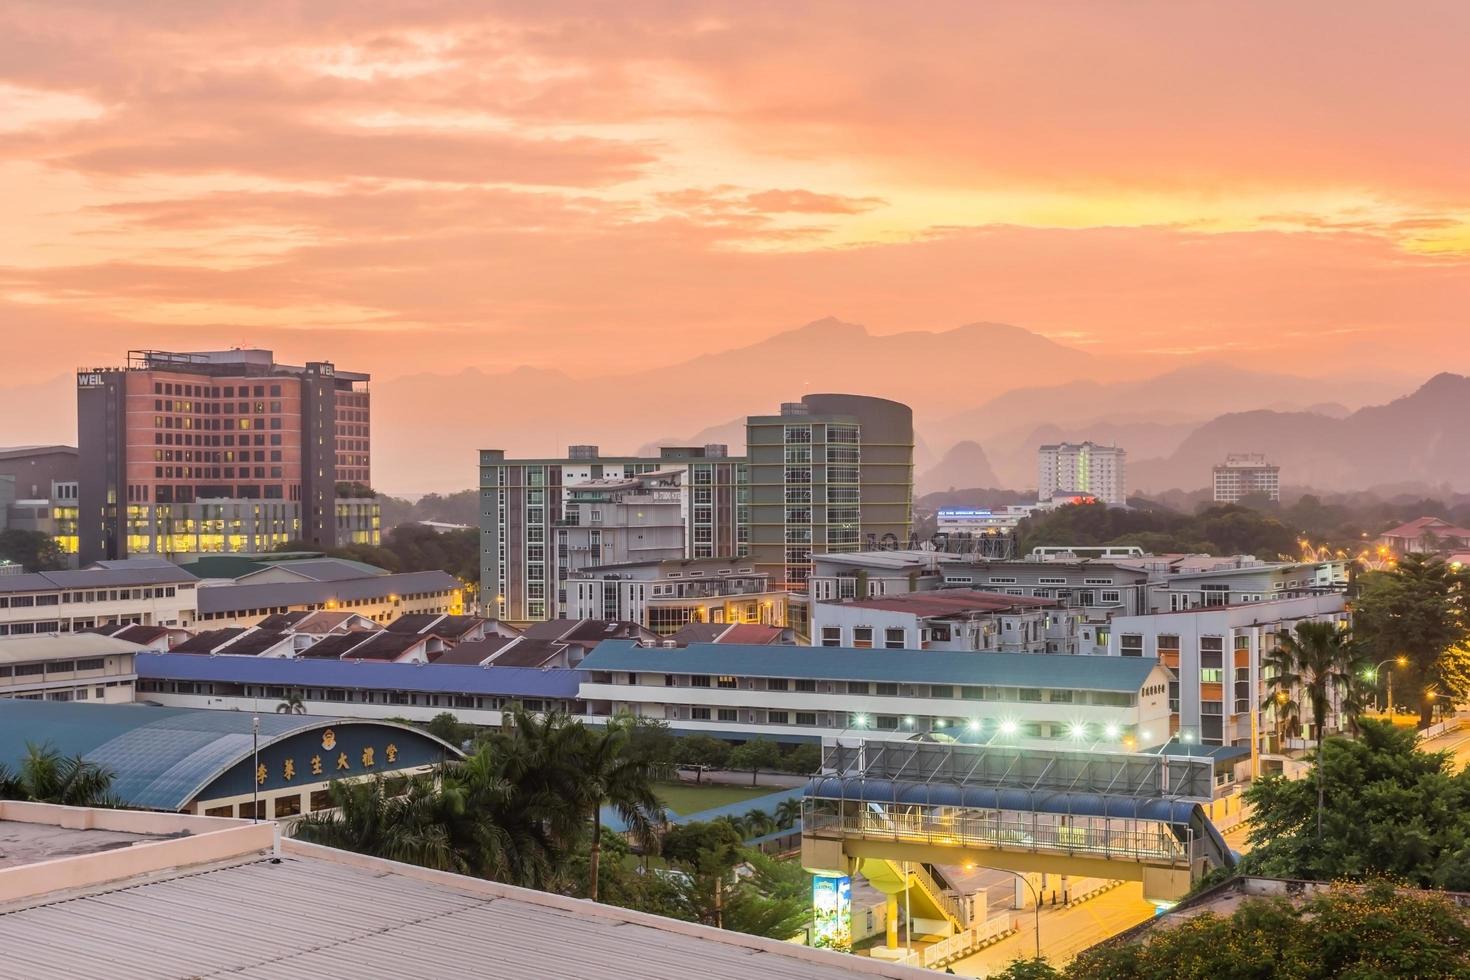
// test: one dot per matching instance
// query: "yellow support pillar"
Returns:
(892, 920)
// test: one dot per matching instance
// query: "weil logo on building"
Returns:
(91, 379)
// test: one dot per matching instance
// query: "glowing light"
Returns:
(1077, 730)
(909, 721)
(1112, 731)
(974, 724)
(860, 721)
(1008, 727)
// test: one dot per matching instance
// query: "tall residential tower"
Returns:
(1083, 468)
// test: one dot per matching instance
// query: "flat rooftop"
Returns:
(28, 843)
(309, 911)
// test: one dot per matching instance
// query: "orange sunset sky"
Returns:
(602, 186)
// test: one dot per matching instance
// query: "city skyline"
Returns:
(515, 187)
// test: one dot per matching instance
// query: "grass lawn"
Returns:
(687, 798)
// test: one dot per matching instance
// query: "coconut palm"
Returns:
(1319, 660)
(788, 813)
(293, 705)
(758, 822)
(47, 776)
(413, 827)
(608, 774)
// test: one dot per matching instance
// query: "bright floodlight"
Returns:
(1145, 735)
(1008, 728)
(860, 721)
(974, 725)
(1077, 730)
(1112, 732)
(909, 721)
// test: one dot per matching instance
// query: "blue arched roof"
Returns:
(161, 758)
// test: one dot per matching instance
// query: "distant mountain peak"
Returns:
(825, 328)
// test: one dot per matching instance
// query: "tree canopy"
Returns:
(1219, 530)
(35, 550)
(1389, 809)
(1419, 609)
(1371, 931)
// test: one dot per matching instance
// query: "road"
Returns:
(1064, 932)
(1456, 742)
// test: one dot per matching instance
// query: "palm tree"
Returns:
(1320, 660)
(788, 813)
(758, 822)
(413, 827)
(47, 776)
(293, 705)
(608, 774)
(507, 838)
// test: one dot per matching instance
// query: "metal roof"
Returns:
(96, 578)
(1052, 670)
(161, 758)
(368, 675)
(318, 569)
(233, 598)
(312, 912)
(58, 646)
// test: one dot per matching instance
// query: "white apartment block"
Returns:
(1244, 474)
(1083, 468)
(950, 619)
(1215, 653)
(667, 595)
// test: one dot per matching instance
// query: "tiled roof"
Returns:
(384, 646)
(209, 640)
(1081, 673)
(332, 646)
(367, 675)
(256, 642)
(474, 652)
(752, 633)
(526, 652)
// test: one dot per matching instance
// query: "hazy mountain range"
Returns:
(984, 396)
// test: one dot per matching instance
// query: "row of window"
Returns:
(967, 692)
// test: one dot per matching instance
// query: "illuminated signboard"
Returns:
(832, 908)
(90, 379)
(959, 513)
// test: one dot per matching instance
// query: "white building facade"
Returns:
(1083, 468)
(1245, 474)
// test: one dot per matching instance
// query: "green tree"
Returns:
(755, 755)
(603, 770)
(758, 822)
(1390, 809)
(35, 550)
(703, 752)
(1364, 932)
(293, 704)
(368, 817)
(803, 760)
(446, 726)
(708, 852)
(788, 813)
(47, 776)
(773, 898)
(1420, 609)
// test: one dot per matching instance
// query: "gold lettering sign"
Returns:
(342, 762)
(391, 752)
(316, 765)
(290, 769)
(367, 757)
(329, 740)
(260, 774)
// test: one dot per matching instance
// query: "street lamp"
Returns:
(1372, 676)
(1036, 900)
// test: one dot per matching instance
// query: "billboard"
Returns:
(832, 912)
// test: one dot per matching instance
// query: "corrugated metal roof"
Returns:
(300, 916)
(1054, 670)
(318, 569)
(233, 598)
(432, 678)
(96, 578)
(55, 646)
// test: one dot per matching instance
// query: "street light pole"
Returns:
(255, 769)
(1379, 666)
(1036, 900)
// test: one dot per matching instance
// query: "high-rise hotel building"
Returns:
(542, 519)
(184, 454)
